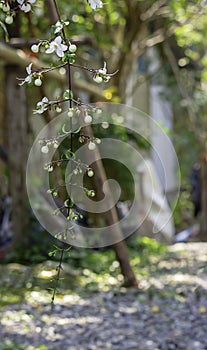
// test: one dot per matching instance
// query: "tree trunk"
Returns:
(3, 155)
(111, 218)
(203, 234)
(17, 134)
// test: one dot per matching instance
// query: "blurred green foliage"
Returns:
(83, 270)
(11, 345)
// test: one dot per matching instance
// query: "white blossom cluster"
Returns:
(24, 5)
(95, 4)
(37, 77)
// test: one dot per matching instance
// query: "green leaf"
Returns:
(68, 94)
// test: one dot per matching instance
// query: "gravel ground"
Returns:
(170, 312)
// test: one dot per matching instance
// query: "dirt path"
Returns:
(169, 313)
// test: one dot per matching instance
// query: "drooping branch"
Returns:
(19, 58)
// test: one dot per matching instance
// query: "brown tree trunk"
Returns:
(17, 134)
(111, 218)
(203, 232)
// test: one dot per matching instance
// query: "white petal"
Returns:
(28, 79)
(64, 47)
(32, 1)
(50, 49)
(95, 4)
(59, 51)
(22, 83)
(58, 29)
(29, 69)
(103, 70)
(26, 7)
(58, 40)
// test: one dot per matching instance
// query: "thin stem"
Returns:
(59, 267)
(75, 65)
(68, 61)
(83, 165)
(58, 102)
(70, 184)
(71, 142)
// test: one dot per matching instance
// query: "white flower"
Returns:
(28, 79)
(101, 74)
(58, 27)
(25, 5)
(103, 70)
(95, 4)
(42, 106)
(57, 46)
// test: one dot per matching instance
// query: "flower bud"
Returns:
(72, 48)
(9, 20)
(70, 112)
(58, 109)
(50, 169)
(91, 146)
(88, 119)
(44, 149)
(5, 7)
(97, 79)
(38, 82)
(35, 48)
(90, 173)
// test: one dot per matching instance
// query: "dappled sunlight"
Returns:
(97, 309)
(187, 279)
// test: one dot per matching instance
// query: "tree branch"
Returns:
(19, 58)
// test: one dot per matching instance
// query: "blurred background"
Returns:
(159, 50)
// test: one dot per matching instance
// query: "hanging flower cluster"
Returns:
(61, 47)
(65, 51)
(32, 76)
(42, 106)
(25, 5)
(101, 75)
(95, 4)
(10, 12)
